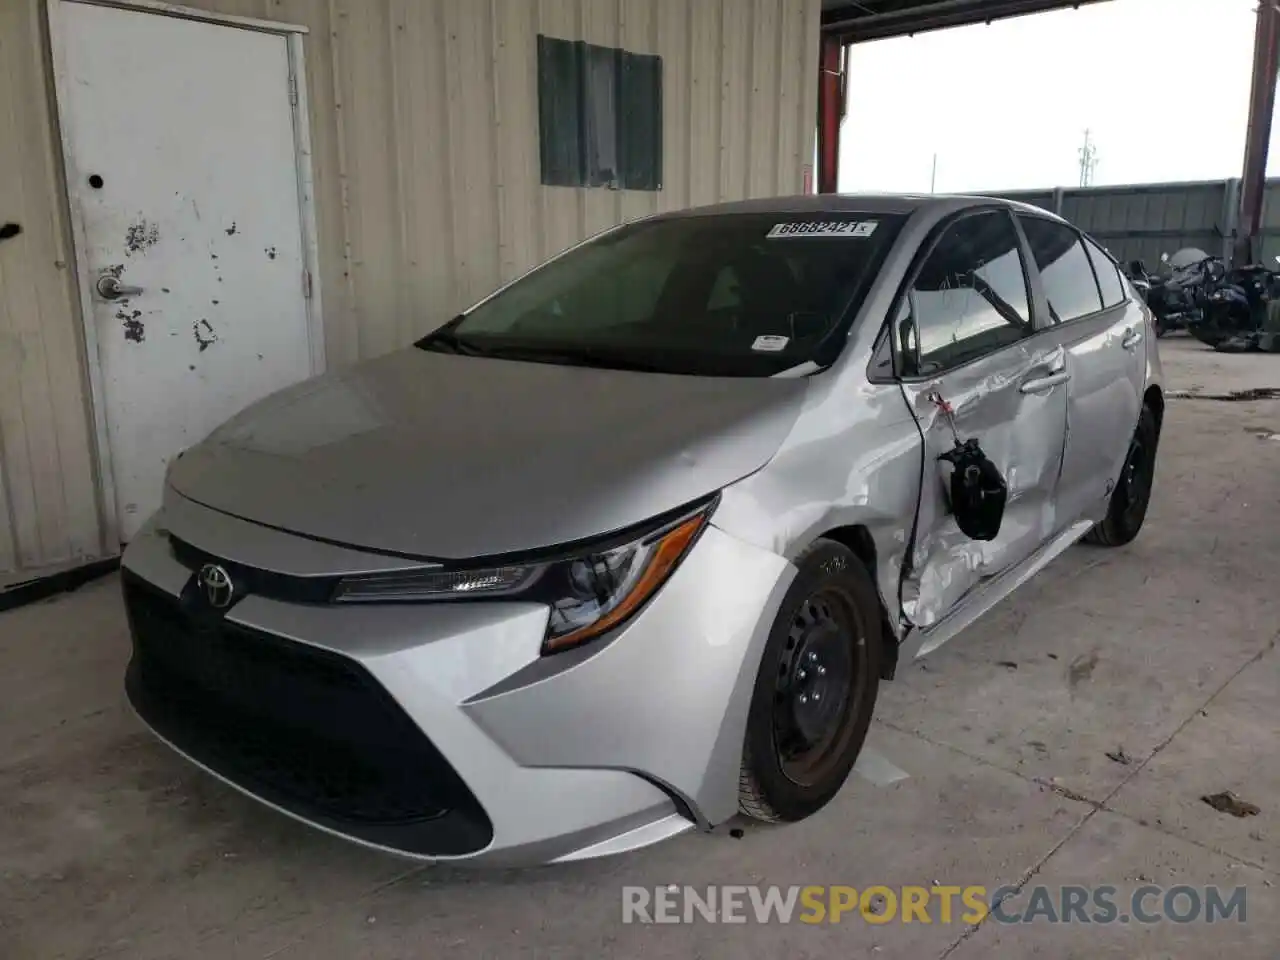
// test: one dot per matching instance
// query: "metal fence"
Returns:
(1142, 221)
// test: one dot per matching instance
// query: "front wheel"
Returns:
(815, 690)
(1132, 495)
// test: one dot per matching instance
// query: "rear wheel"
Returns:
(1132, 495)
(816, 688)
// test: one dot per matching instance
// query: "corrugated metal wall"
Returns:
(1270, 223)
(437, 138)
(1142, 221)
(425, 136)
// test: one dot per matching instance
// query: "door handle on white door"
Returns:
(1132, 337)
(1041, 384)
(110, 288)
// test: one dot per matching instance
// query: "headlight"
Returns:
(588, 592)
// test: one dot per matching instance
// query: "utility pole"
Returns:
(1262, 100)
(833, 89)
(1088, 161)
(933, 177)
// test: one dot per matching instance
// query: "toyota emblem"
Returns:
(217, 586)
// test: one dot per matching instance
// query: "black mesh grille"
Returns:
(304, 728)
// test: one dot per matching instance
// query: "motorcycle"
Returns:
(1177, 299)
(1235, 316)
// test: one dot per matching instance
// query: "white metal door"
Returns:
(184, 177)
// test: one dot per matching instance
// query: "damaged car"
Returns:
(627, 548)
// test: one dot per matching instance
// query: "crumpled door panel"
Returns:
(1012, 405)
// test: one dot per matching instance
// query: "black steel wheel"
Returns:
(815, 690)
(1132, 495)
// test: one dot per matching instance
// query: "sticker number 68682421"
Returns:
(824, 228)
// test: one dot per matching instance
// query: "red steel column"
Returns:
(830, 112)
(1262, 99)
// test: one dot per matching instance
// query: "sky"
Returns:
(1161, 85)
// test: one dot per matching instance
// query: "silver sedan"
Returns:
(628, 547)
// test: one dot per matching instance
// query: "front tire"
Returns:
(815, 690)
(1132, 495)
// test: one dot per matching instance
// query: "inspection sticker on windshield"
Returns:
(770, 343)
(824, 228)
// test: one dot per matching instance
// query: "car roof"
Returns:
(873, 203)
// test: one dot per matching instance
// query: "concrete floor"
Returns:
(112, 847)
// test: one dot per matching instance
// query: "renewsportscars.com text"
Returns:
(942, 904)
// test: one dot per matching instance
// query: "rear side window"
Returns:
(1108, 274)
(1069, 283)
(969, 299)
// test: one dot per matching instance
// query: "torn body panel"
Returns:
(837, 473)
(1014, 402)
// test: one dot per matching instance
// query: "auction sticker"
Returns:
(771, 343)
(824, 228)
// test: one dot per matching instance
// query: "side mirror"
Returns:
(906, 337)
(978, 491)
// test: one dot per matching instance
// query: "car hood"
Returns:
(443, 456)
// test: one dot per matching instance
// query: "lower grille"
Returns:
(308, 730)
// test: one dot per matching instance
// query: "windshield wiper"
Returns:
(446, 340)
(574, 357)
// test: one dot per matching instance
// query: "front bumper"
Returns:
(437, 731)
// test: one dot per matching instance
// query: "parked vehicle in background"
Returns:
(1236, 310)
(628, 547)
(1177, 297)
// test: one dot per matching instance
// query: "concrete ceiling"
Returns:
(858, 20)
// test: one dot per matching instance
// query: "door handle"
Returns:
(110, 288)
(1041, 384)
(1132, 337)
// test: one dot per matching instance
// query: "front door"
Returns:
(1104, 334)
(967, 337)
(183, 176)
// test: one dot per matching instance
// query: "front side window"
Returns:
(729, 295)
(1069, 283)
(969, 299)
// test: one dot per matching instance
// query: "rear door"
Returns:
(1104, 334)
(965, 330)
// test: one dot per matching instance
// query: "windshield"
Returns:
(728, 295)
